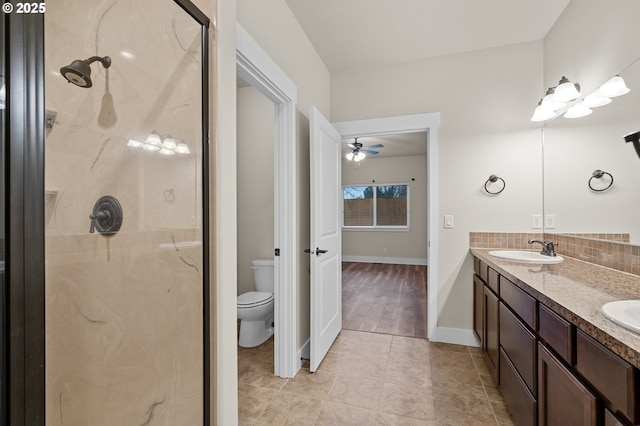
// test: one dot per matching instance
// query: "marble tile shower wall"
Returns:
(609, 250)
(123, 313)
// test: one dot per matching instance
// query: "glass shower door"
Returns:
(3, 295)
(125, 202)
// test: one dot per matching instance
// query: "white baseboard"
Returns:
(456, 336)
(305, 350)
(391, 260)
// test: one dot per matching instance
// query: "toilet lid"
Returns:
(254, 298)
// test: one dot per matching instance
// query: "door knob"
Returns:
(319, 252)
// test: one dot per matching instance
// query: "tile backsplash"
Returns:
(511, 240)
(609, 250)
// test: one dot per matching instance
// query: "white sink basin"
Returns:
(625, 313)
(526, 256)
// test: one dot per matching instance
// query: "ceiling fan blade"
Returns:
(376, 146)
(369, 151)
(352, 146)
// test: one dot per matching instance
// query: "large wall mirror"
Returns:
(574, 149)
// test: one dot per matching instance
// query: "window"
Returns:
(384, 206)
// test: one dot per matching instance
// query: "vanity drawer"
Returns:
(520, 346)
(522, 404)
(614, 378)
(492, 280)
(519, 301)
(556, 332)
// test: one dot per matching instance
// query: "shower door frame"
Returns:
(24, 401)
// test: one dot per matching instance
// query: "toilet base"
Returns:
(253, 333)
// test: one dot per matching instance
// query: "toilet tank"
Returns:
(263, 274)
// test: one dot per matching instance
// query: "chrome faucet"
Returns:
(547, 247)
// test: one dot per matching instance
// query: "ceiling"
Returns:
(352, 34)
(349, 34)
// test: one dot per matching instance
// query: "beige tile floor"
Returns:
(372, 379)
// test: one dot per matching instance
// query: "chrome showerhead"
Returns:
(79, 71)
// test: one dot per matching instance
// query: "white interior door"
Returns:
(326, 237)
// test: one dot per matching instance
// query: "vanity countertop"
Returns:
(576, 291)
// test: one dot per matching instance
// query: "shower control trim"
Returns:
(106, 217)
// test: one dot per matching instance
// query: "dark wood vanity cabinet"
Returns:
(491, 345)
(549, 371)
(478, 308)
(485, 314)
(562, 398)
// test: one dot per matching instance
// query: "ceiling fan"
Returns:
(358, 151)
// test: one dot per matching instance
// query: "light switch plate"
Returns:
(448, 221)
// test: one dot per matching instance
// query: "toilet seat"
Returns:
(254, 299)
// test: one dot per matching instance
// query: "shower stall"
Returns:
(108, 262)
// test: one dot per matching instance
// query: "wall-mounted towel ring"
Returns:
(494, 179)
(598, 174)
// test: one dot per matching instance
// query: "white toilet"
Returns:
(255, 308)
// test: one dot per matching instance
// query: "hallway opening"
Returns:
(385, 298)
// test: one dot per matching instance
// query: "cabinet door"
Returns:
(491, 330)
(562, 398)
(478, 309)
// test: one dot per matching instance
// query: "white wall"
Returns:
(485, 100)
(399, 245)
(574, 148)
(273, 26)
(223, 181)
(255, 182)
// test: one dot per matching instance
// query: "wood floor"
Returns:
(383, 298)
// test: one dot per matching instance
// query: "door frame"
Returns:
(429, 123)
(257, 69)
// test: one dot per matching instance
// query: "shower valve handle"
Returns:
(103, 215)
(106, 217)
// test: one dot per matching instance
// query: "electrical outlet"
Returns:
(536, 221)
(549, 221)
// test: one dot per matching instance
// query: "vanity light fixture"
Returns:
(167, 145)
(614, 87)
(578, 110)
(543, 113)
(566, 92)
(596, 99)
(550, 102)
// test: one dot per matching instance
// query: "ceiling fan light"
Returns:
(359, 156)
(349, 156)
